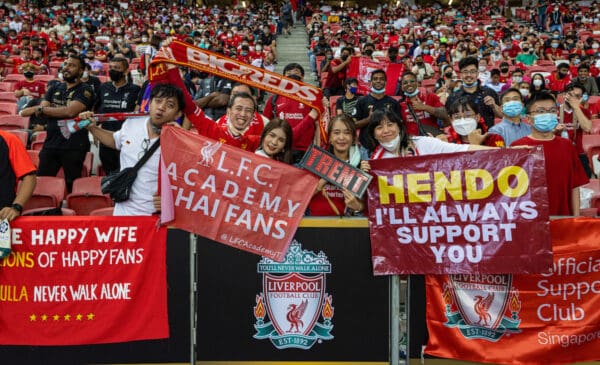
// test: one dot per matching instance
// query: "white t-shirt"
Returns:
(129, 141)
(432, 146)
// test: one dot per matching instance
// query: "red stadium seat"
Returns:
(332, 100)
(86, 196)
(591, 146)
(13, 122)
(64, 211)
(8, 108)
(8, 96)
(38, 141)
(14, 78)
(49, 192)
(44, 78)
(595, 126)
(103, 211)
(7, 86)
(34, 156)
(23, 135)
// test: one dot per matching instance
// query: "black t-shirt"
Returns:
(59, 95)
(348, 106)
(486, 112)
(364, 105)
(7, 176)
(116, 100)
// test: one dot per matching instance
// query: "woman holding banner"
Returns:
(389, 134)
(330, 200)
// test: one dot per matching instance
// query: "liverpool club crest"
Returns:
(294, 299)
(482, 306)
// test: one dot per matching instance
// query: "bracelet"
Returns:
(17, 207)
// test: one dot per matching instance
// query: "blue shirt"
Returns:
(510, 131)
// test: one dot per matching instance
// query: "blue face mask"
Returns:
(585, 97)
(512, 108)
(413, 94)
(353, 89)
(425, 51)
(545, 122)
(377, 91)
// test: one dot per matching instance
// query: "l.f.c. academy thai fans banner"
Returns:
(483, 211)
(232, 196)
(361, 68)
(83, 280)
(550, 318)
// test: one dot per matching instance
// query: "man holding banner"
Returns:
(134, 139)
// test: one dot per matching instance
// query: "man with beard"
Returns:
(115, 96)
(64, 100)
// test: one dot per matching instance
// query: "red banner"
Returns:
(184, 54)
(481, 211)
(83, 280)
(523, 319)
(361, 67)
(232, 196)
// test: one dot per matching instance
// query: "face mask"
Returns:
(28, 74)
(429, 41)
(448, 75)
(518, 36)
(517, 79)
(368, 52)
(524, 92)
(353, 89)
(391, 146)
(377, 91)
(576, 62)
(60, 76)
(464, 126)
(545, 122)
(594, 46)
(537, 82)
(85, 75)
(585, 97)
(470, 85)
(402, 50)
(86, 44)
(115, 75)
(482, 68)
(512, 108)
(554, 45)
(144, 39)
(425, 51)
(413, 94)
(504, 70)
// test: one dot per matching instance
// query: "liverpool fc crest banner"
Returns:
(550, 318)
(83, 280)
(484, 211)
(231, 196)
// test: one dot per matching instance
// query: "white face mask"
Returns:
(391, 146)
(537, 82)
(524, 92)
(464, 126)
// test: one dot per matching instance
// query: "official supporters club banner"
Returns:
(550, 318)
(231, 196)
(83, 280)
(483, 211)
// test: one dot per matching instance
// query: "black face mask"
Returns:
(115, 75)
(504, 70)
(369, 52)
(28, 74)
(448, 75)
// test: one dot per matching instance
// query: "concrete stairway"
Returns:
(293, 49)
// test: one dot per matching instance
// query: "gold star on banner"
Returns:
(67, 317)
(90, 316)
(33, 318)
(56, 317)
(44, 317)
(79, 317)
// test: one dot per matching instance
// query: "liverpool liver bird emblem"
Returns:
(482, 307)
(294, 316)
(208, 151)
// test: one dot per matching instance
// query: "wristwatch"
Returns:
(17, 207)
(40, 109)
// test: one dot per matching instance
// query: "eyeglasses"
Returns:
(469, 72)
(544, 111)
(145, 147)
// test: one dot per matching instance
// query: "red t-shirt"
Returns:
(334, 79)
(296, 114)
(319, 206)
(556, 84)
(563, 171)
(36, 88)
(430, 99)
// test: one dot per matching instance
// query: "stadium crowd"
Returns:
(474, 76)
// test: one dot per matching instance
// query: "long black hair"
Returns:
(285, 155)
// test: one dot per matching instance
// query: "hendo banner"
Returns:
(458, 213)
